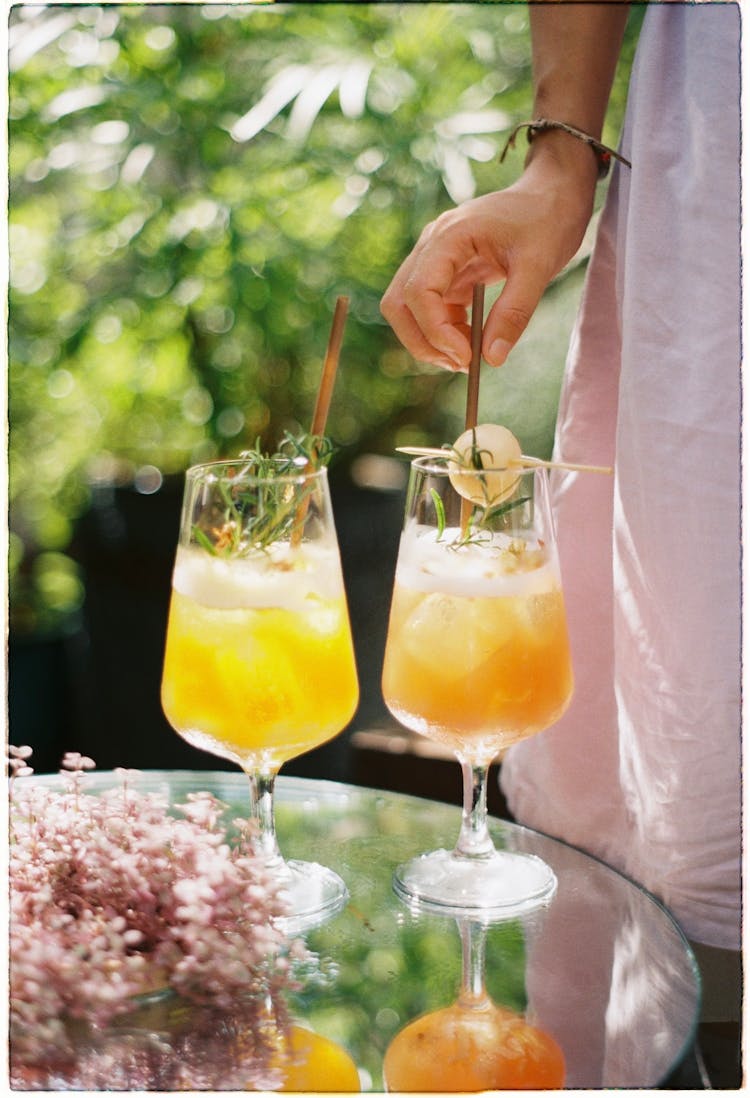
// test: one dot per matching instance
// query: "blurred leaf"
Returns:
(191, 187)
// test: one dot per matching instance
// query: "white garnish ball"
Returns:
(497, 449)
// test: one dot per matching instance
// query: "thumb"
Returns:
(511, 313)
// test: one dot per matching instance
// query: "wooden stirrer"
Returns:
(323, 399)
(330, 366)
(472, 389)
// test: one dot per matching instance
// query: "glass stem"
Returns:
(262, 814)
(473, 938)
(474, 839)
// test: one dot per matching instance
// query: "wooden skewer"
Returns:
(524, 462)
(423, 451)
(531, 462)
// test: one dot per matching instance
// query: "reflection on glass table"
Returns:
(473, 1044)
(601, 970)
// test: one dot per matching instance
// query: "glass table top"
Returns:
(602, 969)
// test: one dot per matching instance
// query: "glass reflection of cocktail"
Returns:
(310, 1063)
(476, 658)
(259, 664)
(473, 1044)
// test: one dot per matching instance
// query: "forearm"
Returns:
(524, 234)
(574, 51)
(574, 56)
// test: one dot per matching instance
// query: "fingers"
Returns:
(490, 239)
(476, 270)
(415, 314)
(432, 327)
(511, 313)
(401, 319)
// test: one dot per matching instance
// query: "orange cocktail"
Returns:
(473, 1048)
(477, 655)
(259, 659)
(474, 1044)
(476, 658)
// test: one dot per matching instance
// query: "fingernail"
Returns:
(451, 356)
(498, 352)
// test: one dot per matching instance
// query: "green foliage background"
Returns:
(191, 186)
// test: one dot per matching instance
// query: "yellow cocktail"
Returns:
(308, 1062)
(259, 664)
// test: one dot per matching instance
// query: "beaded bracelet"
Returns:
(602, 152)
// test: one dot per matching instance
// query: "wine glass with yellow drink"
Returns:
(259, 664)
(477, 656)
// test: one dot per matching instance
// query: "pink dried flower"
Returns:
(74, 760)
(108, 890)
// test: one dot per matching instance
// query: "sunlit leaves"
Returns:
(192, 186)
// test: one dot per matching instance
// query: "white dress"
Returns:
(644, 769)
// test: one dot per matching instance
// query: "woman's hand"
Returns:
(523, 235)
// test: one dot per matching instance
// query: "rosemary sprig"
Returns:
(491, 514)
(439, 512)
(483, 522)
(255, 509)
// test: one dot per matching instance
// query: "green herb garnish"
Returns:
(491, 514)
(439, 512)
(483, 522)
(255, 510)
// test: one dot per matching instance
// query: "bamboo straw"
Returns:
(472, 389)
(330, 366)
(323, 399)
(477, 321)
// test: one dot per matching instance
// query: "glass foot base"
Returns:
(314, 894)
(498, 885)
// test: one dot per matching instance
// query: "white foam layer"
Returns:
(481, 570)
(283, 577)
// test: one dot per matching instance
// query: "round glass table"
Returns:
(602, 969)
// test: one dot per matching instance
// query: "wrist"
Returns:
(564, 181)
(541, 126)
(602, 153)
(569, 166)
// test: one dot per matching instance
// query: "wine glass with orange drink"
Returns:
(477, 655)
(259, 664)
(473, 1044)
